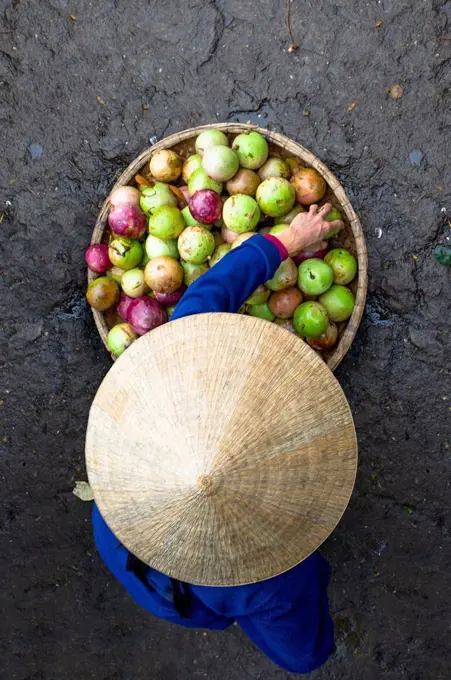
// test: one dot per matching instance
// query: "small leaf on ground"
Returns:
(83, 491)
(395, 91)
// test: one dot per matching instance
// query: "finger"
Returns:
(325, 209)
(313, 209)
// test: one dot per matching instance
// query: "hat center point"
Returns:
(205, 483)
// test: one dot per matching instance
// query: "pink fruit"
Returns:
(205, 206)
(124, 306)
(145, 314)
(97, 259)
(316, 250)
(127, 220)
(228, 235)
(170, 299)
(123, 195)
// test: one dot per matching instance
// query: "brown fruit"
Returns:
(326, 340)
(245, 181)
(163, 274)
(309, 186)
(282, 303)
(102, 293)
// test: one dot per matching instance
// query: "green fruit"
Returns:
(315, 276)
(219, 253)
(274, 167)
(343, 263)
(291, 214)
(251, 148)
(259, 296)
(208, 139)
(220, 163)
(339, 302)
(156, 196)
(133, 283)
(191, 164)
(191, 272)
(120, 337)
(124, 252)
(285, 276)
(115, 273)
(195, 245)
(166, 223)
(145, 258)
(156, 247)
(333, 215)
(190, 221)
(310, 319)
(275, 196)
(261, 311)
(170, 311)
(241, 213)
(200, 180)
(278, 228)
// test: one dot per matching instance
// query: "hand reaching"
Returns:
(307, 228)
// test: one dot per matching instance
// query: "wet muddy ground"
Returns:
(83, 87)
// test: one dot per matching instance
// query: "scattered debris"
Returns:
(396, 91)
(378, 232)
(99, 99)
(72, 17)
(416, 157)
(351, 108)
(409, 509)
(293, 46)
(35, 151)
(83, 491)
(443, 255)
(379, 24)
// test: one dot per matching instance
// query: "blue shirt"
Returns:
(286, 616)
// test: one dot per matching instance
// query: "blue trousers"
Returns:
(287, 617)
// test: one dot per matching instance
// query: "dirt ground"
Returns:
(83, 87)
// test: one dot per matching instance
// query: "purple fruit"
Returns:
(97, 259)
(127, 220)
(205, 206)
(145, 314)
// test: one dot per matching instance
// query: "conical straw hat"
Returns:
(221, 450)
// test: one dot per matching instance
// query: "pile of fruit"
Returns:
(184, 215)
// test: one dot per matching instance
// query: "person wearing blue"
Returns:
(286, 616)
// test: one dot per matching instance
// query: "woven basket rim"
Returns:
(295, 149)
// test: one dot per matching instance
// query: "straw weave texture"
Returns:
(221, 450)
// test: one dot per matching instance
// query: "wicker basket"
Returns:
(351, 237)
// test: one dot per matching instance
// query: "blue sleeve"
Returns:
(229, 283)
